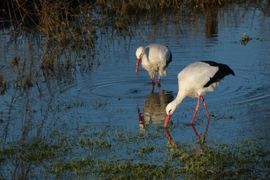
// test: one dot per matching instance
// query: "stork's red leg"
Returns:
(196, 110)
(153, 80)
(168, 136)
(205, 107)
(206, 131)
(158, 80)
(196, 133)
(208, 116)
(141, 123)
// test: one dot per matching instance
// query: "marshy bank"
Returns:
(69, 94)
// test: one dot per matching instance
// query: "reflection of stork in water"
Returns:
(154, 108)
(198, 137)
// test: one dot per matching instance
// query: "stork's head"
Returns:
(170, 108)
(139, 55)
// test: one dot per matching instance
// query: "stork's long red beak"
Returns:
(138, 65)
(167, 121)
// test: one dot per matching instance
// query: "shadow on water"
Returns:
(69, 94)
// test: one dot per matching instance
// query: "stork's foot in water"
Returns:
(159, 84)
(153, 80)
(153, 88)
(169, 137)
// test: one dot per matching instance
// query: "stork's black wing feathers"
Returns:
(223, 70)
(170, 59)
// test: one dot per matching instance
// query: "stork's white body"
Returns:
(194, 81)
(191, 80)
(154, 58)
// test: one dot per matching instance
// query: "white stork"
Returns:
(154, 58)
(194, 81)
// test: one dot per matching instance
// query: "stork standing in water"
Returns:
(194, 81)
(154, 58)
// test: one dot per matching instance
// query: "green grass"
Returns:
(212, 163)
(36, 151)
(101, 153)
(115, 169)
(146, 149)
(97, 143)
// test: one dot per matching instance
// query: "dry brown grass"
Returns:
(54, 18)
(72, 24)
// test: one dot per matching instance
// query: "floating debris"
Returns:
(245, 39)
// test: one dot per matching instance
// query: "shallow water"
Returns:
(108, 96)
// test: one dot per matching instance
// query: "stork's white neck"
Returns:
(179, 98)
(171, 107)
(145, 62)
